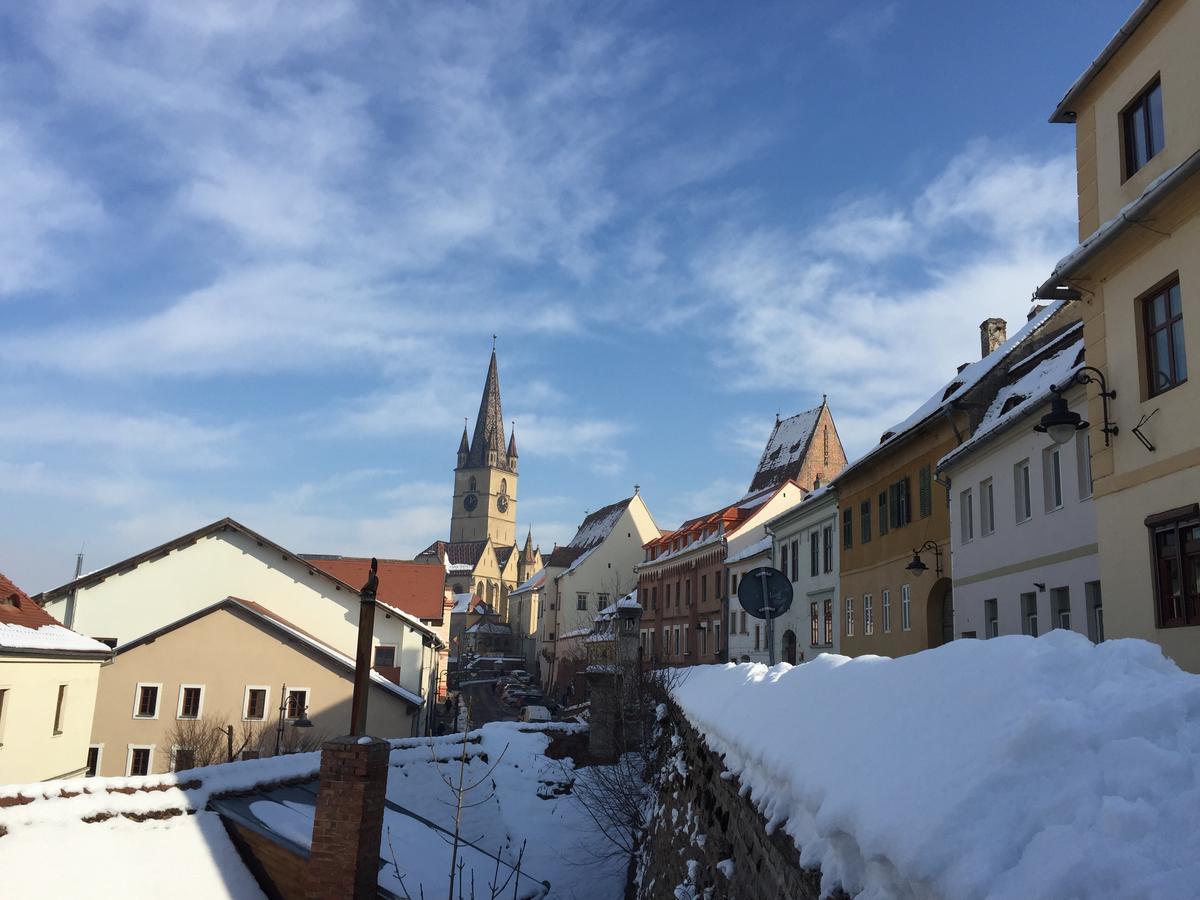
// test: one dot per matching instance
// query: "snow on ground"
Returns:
(1008, 768)
(184, 858)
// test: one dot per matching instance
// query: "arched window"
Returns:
(471, 484)
(479, 590)
(504, 485)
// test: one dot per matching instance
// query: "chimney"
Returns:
(992, 333)
(343, 863)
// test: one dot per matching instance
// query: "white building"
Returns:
(805, 548)
(154, 589)
(1022, 520)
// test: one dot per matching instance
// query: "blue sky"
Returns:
(252, 254)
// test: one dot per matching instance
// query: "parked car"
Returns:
(534, 713)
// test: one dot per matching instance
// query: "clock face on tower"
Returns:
(502, 503)
(470, 502)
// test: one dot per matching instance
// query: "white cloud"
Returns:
(597, 444)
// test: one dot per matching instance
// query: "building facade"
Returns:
(1022, 517)
(1136, 274)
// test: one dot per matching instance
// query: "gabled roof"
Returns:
(562, 557)
(278, 623)
(598, 525)
(417, 588)
(786, 449)
(26, 628)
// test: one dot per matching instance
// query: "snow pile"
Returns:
(47, 637)
(1008, 768)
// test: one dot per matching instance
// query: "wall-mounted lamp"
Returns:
(917, 566)
(1061, 423)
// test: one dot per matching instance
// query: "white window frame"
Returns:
(1022, 483)
(179, 703)
(581, 601)
(886, 603)
(99, 758)
(1083, 463)
(687, 644)
(137, 696)
(987, 507)
(307, 700)
(905, 608)
(5, 702)
(849, 617)
(1052, 478)
(60, 708)
(395, 652)
(266, 702)
(868, 614)
(676, 641)
(966, 515)
(129, 759)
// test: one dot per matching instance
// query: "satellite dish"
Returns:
(765, 593)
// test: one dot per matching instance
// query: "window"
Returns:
(744, 622)
(864, 521)
(757, 637)
(60, 709)
(145, 701)
(702, 634)
(783, 559)
(1052, 477)
(138, 761)
(1060, 608)
(255, 706)
(3, 707)
(687, 592)
(1083, 463)
(703, 588)
(716, 636)
(828, 622)
(1142, 128)
(1029, 616)
(925, 480)
(887, 612)
(966, 513)
(847, 529)
(676, 640)
(654, 598)
(883, 513)
(581, 601)
(827, 542)
(687, 642)
(1091, 595)
(191, 701)
(297, 703)
(1021, 488)
(182, 759)
(991, 619)
(1175, 537)
(868, 614)
(899, 511)
(814, 624)
(905, 609)
(385, 656)
(678, 594)
(814, 553)
(849, 617)
(1166, 359)
(93, 760)
(987, 507)
(796, 560)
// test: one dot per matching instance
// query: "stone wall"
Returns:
(707, 840)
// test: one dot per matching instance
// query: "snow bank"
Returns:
(1008, 768)
(47, 637)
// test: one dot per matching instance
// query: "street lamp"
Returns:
(302, 720)
(917, 566)
(1060, 423)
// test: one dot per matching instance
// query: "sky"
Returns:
(252, 254)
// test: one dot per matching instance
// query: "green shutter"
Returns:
(926, 488)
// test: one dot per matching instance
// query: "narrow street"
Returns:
(484, 706)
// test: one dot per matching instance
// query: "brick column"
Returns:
(344, 861)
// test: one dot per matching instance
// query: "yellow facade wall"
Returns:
(30, 750)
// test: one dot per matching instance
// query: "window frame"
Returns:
(864, 522)
(266, 689)
(885, 603)
(966, 515)
(1022, 485)
(130, 748)
(991, 618)
(987, 507)
(287, 701)
(1052, 481)
(1175, 519)
(60, 709)
(137, 698)
(395, 648)
(814, 623)
(99, 748)
(868, 614)
(849, 617)
(905, 607)
(199, 707)
(814, 553)
(848, 528)
(827, 549)
(827, 623)
(1083, 464)
(1139, 107)
(1149, 331)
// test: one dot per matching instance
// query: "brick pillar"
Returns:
(344, 861)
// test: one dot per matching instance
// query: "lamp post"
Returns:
(1060, 423)
(301, 721)
(917, 565)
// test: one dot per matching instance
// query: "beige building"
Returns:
(48, 678)
(1135, 278)
(524, 612)
(165, 702)
(122, 602)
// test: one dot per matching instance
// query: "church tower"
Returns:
(485, 478)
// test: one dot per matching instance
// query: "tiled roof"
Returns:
(457, 553)
(26, 626)
(783, 457)
(562, 557)
(417, 588)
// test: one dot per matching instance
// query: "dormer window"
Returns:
(11, 600)
(1142, 128)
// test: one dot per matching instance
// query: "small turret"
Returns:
(512, 445)
(464, 448)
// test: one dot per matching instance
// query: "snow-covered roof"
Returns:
(762, 545)
(1088, 746)
(28, 629)
(1029, 391)
(530, 584)
(598, 525)
(489, 628)
(785, 450)
(959, 385)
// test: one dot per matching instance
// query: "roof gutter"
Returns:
(1063, 113)
(1055, 287)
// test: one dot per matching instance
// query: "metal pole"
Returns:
(768, 610)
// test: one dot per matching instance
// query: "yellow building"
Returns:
(1136, 274)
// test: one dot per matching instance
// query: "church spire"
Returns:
(464, 447)
(487, 444)
(512, 442)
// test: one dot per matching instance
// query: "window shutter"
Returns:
(926, 489)
(905, 491)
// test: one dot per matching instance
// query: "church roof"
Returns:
(416, 588)
(784, 454)
(489, 424)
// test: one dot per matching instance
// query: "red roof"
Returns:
(416, 588)
(24, 611)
